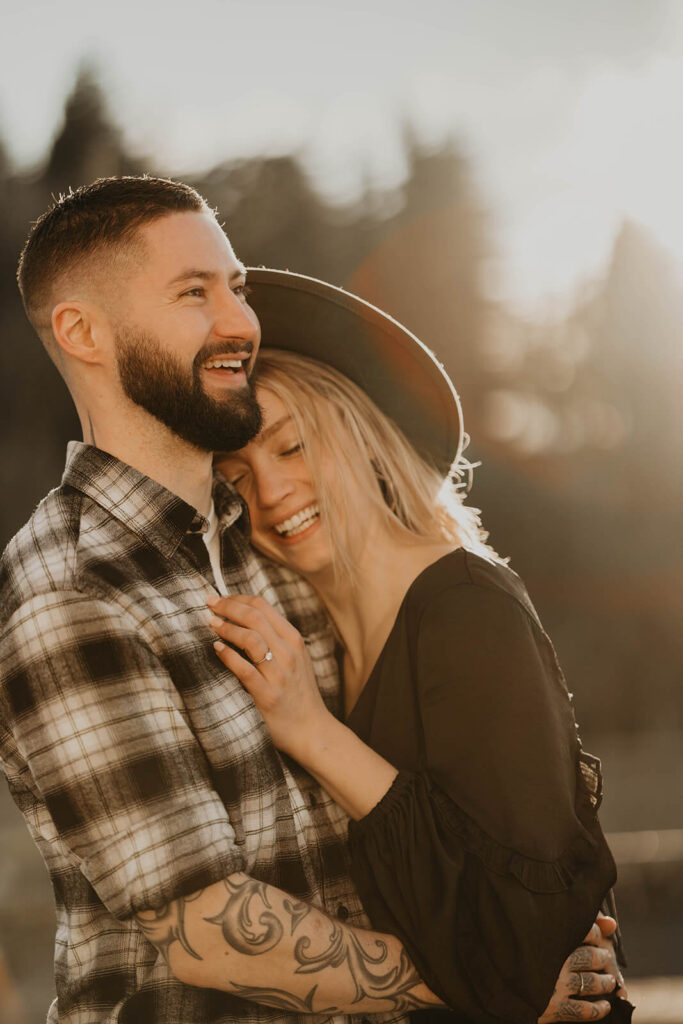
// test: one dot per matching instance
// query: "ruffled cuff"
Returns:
(535, 875)
(487, 927)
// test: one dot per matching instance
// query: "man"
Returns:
(144, 773)
(189, 861)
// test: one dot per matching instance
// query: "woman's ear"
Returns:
(74, 328)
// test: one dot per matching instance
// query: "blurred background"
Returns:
(503, 177)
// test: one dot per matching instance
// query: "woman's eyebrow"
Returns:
(273, 428)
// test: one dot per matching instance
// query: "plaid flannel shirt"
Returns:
(140, 763)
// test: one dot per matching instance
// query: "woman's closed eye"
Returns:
(234, 474)
(293, 449)
(239, 476)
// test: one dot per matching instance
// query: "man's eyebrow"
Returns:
(195, 273)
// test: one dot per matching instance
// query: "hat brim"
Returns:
(400, 374)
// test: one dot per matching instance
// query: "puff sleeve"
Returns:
(488, 861)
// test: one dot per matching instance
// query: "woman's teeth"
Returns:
(298, 523)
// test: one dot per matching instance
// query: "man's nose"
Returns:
(235, 319)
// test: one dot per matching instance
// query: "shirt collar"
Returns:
(142, 505)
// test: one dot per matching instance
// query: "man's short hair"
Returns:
(88, 221)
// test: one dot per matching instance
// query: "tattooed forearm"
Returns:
(279, 999)
(245, 926)
(346, 951)
(249, 938)
(166, 925)
(297, 912)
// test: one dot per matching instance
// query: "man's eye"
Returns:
(198, 291)
(243, 290)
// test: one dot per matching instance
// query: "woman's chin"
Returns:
(307, 553)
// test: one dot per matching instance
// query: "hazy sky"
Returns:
(570, 110)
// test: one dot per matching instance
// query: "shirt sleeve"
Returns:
(488, 862)
(104, 737)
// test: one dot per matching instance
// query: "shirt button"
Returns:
(342, 913)
(312, 799)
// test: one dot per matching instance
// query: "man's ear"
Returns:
(77, 331)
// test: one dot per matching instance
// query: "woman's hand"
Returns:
(279, 675)
(285, 692)
(590, 971)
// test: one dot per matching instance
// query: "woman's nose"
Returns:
(272, 487)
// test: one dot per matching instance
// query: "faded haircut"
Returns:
(88, 223)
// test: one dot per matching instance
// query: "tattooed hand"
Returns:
(589, 972)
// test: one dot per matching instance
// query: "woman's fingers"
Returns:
(243, 614)
(250, 623)
(248, 675)
(255, 645)
(246, 626)
(284, 687)
(244, 608)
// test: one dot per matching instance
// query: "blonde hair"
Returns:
(338, 424)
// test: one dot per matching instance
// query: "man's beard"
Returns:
(158, 382)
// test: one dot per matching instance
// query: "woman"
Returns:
(473, 832)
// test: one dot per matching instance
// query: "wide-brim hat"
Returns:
(400, 374)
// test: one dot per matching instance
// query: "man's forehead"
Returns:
(181, 240)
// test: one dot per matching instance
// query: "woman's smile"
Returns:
(299, 525)
(272, 475)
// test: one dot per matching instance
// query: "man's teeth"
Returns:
(299, 522)
(223, 364)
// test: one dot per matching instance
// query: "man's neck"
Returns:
(154, 450)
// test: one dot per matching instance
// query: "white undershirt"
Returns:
(213, 545)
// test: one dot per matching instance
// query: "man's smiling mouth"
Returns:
(233, 364)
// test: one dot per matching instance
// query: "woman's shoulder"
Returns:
(464, 568)
(464, 581)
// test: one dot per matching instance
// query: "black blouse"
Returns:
(485, 857)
